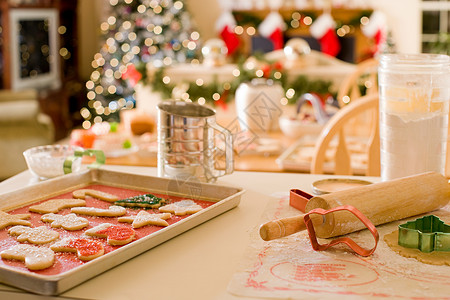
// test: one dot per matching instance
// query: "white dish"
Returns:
(296, 128)
(48, 161)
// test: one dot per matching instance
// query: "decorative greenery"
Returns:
(263, 69)
(249, 19)
(442, 45)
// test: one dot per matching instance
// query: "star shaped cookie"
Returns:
(144, 218)
(183, 207)
(7, 219)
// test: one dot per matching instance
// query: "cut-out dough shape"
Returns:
(183, 207)
(115, 235)
(112, 211)
(55, 205)
(95, 194)
(8, 220)
(432, 258)
(84, 248)
(38, 235)
(68, 222)
(35, 257)
(144, 218)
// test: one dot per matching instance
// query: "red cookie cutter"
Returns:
(348, 241)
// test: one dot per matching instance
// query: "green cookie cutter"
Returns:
(100, 159)
(427, 234)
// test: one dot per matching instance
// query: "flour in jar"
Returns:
(412, 145)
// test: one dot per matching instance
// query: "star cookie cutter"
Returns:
(427, 234)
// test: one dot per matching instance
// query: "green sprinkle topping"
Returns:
(146, 201)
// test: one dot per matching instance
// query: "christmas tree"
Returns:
(136, 33)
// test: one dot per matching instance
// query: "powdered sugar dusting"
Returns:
(290, 268)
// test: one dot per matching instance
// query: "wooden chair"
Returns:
(336, 130)
(366, 74)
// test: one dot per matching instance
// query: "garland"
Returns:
(249, 19)
(226, 90)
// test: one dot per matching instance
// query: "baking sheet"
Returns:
(223, 198)
(298, 157)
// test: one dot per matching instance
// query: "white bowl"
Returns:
(48, 161)
(295, 128)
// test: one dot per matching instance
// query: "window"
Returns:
(436, 26)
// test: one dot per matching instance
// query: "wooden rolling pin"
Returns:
(381, 203)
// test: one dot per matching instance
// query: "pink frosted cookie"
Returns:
(38, 235)
(68, 222)
(144, 218)
(95, 194)
(55, 205)
(8, 220)
(183, 207)
(84, 248)
(114, 234)
(35, 257)
(112, 211)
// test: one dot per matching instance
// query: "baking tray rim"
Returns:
(51, 285)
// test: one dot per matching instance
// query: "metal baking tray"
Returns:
(224, 198)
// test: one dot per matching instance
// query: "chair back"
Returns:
(365, 76)
(340, 143)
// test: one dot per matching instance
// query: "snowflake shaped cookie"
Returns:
(144, 218)
(183, 207)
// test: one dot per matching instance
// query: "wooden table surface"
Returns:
(223, 258)
(244, 161)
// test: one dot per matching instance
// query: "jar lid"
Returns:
(326, 186)
(415, 63)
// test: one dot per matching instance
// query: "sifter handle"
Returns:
(229, 154)
(282, 227)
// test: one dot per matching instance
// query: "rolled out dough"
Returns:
(432, 258)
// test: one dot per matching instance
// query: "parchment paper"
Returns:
(290, 268)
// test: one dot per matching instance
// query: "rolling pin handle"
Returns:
(282, 227)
